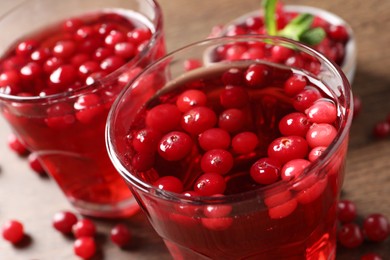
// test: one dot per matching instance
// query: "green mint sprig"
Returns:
(298, 29)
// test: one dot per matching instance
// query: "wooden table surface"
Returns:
(34, 200)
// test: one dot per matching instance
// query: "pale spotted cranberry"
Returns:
(295, 123)
(245, 142)
(35, 164)
(295, 84)
(232, 120)
(13, 231)
(217, 161)
(64, 49)
(376, 227)
(322, 111)
(292, 169)
(25, 48)
(84, 228)
(346, 211)
(234, 97)
(192, 64)
(88, 107)
(60, 116)
(120, 235)
(371, 256)
(316, 152)
(175, 146)
(16, 145)
(209, 184)
(350, 235)
(257, 75)
(265, 171)
(146, 140)
(198, 120)
(63, 221)
(304, 99)
(214, 138)
(233, 76)
(164, 117)
(84, 247)
(63, 76)
(287, 148)
(169, 183)
(321, 135)
(190, 99)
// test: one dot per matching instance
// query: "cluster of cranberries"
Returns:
(80, 52)
(83, 230)
(375, 228)
(332, 46)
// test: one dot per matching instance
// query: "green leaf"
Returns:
(313, 36)
(298, 26)
(269, 16)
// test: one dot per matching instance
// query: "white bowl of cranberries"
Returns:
(330, 34)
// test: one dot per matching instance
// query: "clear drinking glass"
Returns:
(292, 217)
(57, 88)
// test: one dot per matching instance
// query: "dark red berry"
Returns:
(232, 120)
(350, 235)
(214, 138)
(120, 235)
(190, 99)
(163, 118)
(371, 256)
(245, 142)
(84, 247)
(265, 171)
(217, 161)
(13, 231)
(210, 184)
(376, 227)
(295, 123)
(175, 146)
(346, 211)
(84, 228)
(306, 98)
(381, 129)
(198, 120)
(234, 97)
(16, 145)
(257, 75)
(169, 183)
(63, 221)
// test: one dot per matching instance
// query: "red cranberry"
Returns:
(280, 53)
(164, 117)
(316, 152)
(175, 146)
(112, 63)
(72, 24)
(198, 120)
(35, 164)
(209, 184)
(338, 33)
(102, 53)
(143, 161)
(40, 55)
(292, 169)
(125, 50)
(287, 148)
(10, 77)
(52, 64)
(190, 99)
(169, 183)
(265, 171)
(322, 111)
(244, 142)
(217, 161)
(357, 106)
(63, 221)
(350, 235)
(63, 76)
(346, 211)
(232, 120)
(139, 35)
(294, 85)
(64, 49)
(146, 140)
(87, 68)
(304, 99)
(16, 145)
(84, 247)
(13, 231)
(120, 235)
(214, 138)
(30, 71)
(321, 135)
(295, 123)
(84, 228)
(25, 48)
(60, 116)
(233, 77)
(376, 227)
(280, 205)
(257, 75)
(113, 38)
(88, 108)
(217, 223)
(371, 256)
(234, 97)
(381, 129)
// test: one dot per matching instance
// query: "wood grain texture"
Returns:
(34, 200)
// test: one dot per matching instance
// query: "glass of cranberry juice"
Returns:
(62, 65)
(236, 158)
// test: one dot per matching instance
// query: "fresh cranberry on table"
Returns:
(120, 235)
(13, 231)
(63, 221)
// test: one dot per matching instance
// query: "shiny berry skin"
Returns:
(234, 97)
(214, 138)
(217, 161)
(146, 140)
(120, 235)
(322, 111)
(257, 75)
(84, 247)
(63, 221)
(346, 211)
(169, 183)
(316, 152)
(306, 98)
(63, 76)
(209, 184)
(295, 123)
(84, 228)
(64, 49)
(287, 148)
(163, 118)
(292, 169)
(191, 98)
(112, 63)
(350, 235)
(280, 53)
(376, 227)
(381, 129)
(175, 146)
(35, 164)
(198, 120)
(13, 231)
(321, 135)
(232, 120)
(17, 146)
(265, 171)
(25, 48)
(244, 142)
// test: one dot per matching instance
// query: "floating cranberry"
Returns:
(60, 116)
(190, 99)
(198, 120)
(287, 148)
(40, 55)
(220, 223)
(88, 107)
(64, 49)
(280, 53)
(63, 221)
(209, 184)
(245, 142)
(125, 50)
(16, 145)
(232, 120)
(113, 38)
(87, 68)
(175, 146)
(214, 138)
(52, 64)
(217, 161)
(292, 169)
(13, 231)
(280, 205)
(139, 35)
(316, 152)
(376, 227)
(321, 135)
(84, 228)
(72, 24)
(233, 77)
(120, 235)
(295, 123)
(257, 75)
(63, 76)
(164, 117)
(322, 111)
(30, 71)
(346, 211)
(294, 85)
(234, 97)
(350, 235)
(84, 247)
(146, 140)
(25, 48)
(112, 63)
(306, 98)
(265, 171)
(143, 161)
(169, 183)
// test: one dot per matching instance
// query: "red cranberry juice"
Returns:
(68, 132)
(184, 156)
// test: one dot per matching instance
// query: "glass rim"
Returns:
(280, 185)
(99, 83)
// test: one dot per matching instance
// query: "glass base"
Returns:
(121, 209)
